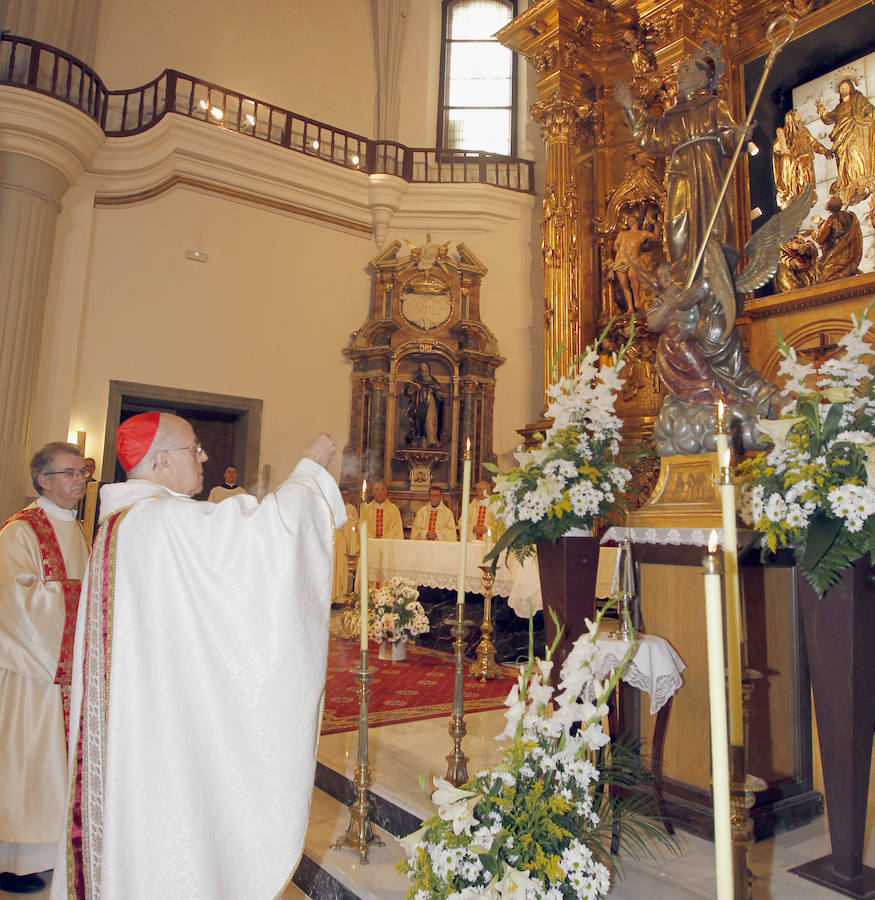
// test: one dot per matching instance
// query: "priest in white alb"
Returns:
(43, 555)
(200, 659)
(481, 518)
(434, 520)
(384, 517)
(346, 544)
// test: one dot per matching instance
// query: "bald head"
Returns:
(174, 458)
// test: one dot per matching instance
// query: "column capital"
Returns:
(48, 130)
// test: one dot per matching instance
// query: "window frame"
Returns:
(444, 86)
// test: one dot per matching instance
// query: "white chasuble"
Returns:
(199, 668)
(40, 574)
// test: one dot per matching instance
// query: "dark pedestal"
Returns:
(839, 637)
(568, 571)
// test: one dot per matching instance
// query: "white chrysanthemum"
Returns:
(852, 502)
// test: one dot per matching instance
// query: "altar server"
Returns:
(200, 658)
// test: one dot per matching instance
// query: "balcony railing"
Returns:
(38, 67)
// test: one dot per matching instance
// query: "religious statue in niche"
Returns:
(853, 142)
(793, 158)
(425, 403)
(629, 246)
(700, 358)
(841, 243)
(797, 267)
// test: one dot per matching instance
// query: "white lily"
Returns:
(514, 884)
(448, 793)
(837, 394)
(410, 842)
(778, 429)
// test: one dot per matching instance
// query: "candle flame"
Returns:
(727, 458)
(467, 445)
(721, 408)
(712, 541)
(364, 487)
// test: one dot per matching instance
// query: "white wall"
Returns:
(314, 57)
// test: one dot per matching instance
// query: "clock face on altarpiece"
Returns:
(425, 309)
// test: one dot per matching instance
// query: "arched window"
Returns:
(477, 107)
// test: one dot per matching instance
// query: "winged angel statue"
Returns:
(700, 358)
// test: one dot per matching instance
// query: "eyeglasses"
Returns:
(70, 473)
(196, 449)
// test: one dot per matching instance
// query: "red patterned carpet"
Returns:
(421, 687)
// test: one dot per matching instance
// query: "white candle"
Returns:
(463, 522)
(719, 743)
(363, 564)
(733, 603)
(721, 433)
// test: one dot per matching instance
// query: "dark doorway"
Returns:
(229, 428)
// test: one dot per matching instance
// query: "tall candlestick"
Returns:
(363, 564)
(733, 602)
(711, 568)
(463, 522)
(720, 432)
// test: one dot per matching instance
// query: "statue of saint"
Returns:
(698, 134)
(853, 142)
(425, 401)
(700, 357)
(793, 158)
(628, 244)
(841, 243)
(798, 264)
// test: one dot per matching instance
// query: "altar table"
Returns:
(436, 564)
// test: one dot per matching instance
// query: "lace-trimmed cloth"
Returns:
(655, 668)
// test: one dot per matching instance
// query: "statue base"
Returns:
(686, 495)
(421, 464)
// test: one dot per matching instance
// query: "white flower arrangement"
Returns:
(573, 476)
(539, 823)
(814, 490)
(395, 612)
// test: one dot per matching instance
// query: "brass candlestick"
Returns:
(485, 665)
(350, 619)
(360, 832)
(457, 762)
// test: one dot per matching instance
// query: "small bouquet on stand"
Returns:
(397, 617)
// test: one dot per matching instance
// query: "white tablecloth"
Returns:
(436, 564)
(655, 668)
(683, 537)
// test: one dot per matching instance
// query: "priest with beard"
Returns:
(199, 665)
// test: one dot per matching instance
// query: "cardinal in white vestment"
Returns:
(384, 517)
(200, 658)
(43, 555)
(434, 521)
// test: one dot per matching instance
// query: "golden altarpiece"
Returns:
(423, 376)
(602, 225)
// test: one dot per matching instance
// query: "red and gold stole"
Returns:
(481, 515)
(379, 528)
(84, 830)
(54, 569)
(432, 519)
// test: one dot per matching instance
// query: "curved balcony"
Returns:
(38, 67)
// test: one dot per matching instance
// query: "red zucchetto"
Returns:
(134, 437)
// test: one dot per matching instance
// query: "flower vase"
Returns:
(567, 570)
(394, 650)
(839, 636)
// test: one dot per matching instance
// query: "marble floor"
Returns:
(400, 754)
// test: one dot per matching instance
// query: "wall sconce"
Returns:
(80, 440)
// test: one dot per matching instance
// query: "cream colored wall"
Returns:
(265, 317)
(314, 57)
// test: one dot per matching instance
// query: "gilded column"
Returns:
(44, 146)
(560, 118)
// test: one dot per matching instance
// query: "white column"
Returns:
(44, 146)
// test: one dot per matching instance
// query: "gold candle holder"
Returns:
(349, 618)
(457, 762)
(485, 666)
(360, 832)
